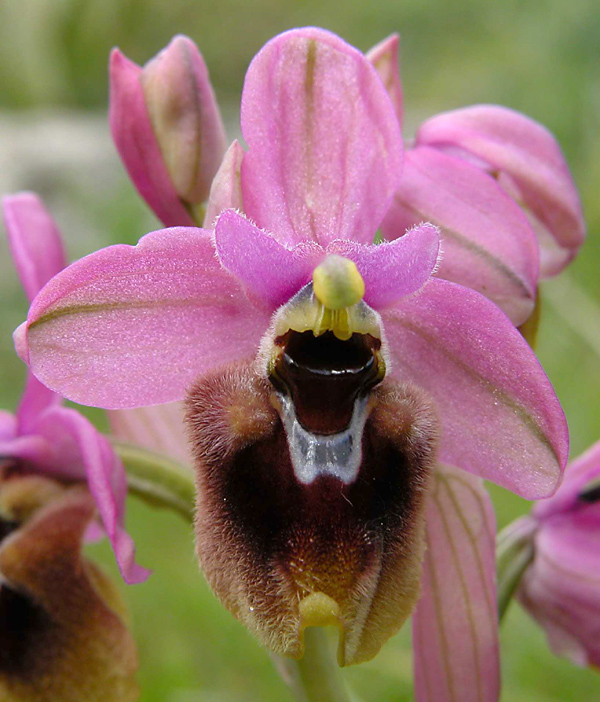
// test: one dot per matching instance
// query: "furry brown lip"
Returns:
(322, 386)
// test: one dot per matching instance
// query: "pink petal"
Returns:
(8, 425)
(487, 242)
(384, 57)
(185, 117)
(226, 189)
(269, 270)
(580, 473)
(561, 589)
(34, 451)
(324, 142)
(36, 399)
(532, 168)
(34, 240)
(501, 419)
(392, 270)
(129, 326)
(455, 624)
(106, 480)
(159, 428)
(135, 140)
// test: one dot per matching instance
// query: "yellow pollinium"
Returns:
(337, 286)
(337, 283)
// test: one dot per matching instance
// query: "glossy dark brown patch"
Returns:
(324, 376)
(265, 540)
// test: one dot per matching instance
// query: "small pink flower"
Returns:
(167, 127)
(497, 185)
(561, 587)
(44, 436)
(231, 318)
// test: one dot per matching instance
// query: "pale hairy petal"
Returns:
(324, 142)
(528, 162)
(487, 242)
(500, 417)
(392, 270)
(34, 240)
(269, 270)
(135, 325)
(455, 624)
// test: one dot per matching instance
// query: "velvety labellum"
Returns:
(285, 548)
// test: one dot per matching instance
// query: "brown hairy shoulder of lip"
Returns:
(266, 542)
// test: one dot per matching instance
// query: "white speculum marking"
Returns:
(315, 455)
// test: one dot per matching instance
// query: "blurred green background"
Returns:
(540, 58)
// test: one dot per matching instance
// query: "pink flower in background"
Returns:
(43, 436)
(130, 326)
(166, 125)
(497, 185)
(561, 587)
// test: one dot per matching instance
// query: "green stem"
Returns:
(316, 677)
(157, 479)
(514, 553)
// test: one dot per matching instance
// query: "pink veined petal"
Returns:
(384, 57)
(325, 148)
(135, 140)
(501, 419)
(561, 589)
(135, 325)
(455, 624)
(35, 400)
(580, 472)
(226, 188)
(487, 242)
(531, 165)
(392, 270)
(106, 480)
(34, 240)
(159, 428)
(8, 425)
(269, 270)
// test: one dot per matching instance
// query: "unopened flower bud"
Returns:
(168, 129)
(185, 118)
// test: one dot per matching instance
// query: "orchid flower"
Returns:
(44, 436)
(560, 587)
(166, 124)
(62, 621)
(344, 402)
(499, 188)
